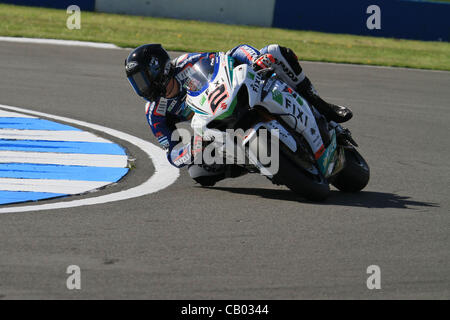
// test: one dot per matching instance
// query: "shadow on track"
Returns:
(366, 199)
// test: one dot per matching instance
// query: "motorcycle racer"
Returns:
(160, 81)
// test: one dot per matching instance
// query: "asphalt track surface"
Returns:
(244, 238)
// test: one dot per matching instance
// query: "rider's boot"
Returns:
(331, 111)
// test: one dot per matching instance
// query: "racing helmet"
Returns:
(149, 70)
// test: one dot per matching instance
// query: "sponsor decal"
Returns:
(171, 105)
(255, 86)
(326, 156)
(190, 106)
(183, 63)
(184, 157)
(287, 71)
(288, 103)
(203, 100)
(164, 143)
(230, 68)
(161, 108)
(277, 96)
(249, 52)
(297, 112)
(287, 89)
(131, 65)
(299, 115)
(229, 111)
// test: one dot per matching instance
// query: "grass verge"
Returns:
(187, 35)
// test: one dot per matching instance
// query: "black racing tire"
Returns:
(314, 188)
(355, 175)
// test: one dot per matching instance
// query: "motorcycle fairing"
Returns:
(217, 100)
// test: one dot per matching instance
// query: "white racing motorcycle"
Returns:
(310, 152)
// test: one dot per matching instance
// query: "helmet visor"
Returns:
(139, 83)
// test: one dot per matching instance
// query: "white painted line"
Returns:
(67, 159)
(50, 135)
(8, 114)
(61, 42)
(165, 174)
(49, 185)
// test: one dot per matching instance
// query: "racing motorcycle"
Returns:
(312, 152)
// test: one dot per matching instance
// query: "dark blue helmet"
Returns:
(149, 70)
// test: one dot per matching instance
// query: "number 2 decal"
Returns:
(217, 96)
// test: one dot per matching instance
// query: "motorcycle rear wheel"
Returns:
(314, 188)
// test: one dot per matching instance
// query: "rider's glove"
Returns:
(264, 61)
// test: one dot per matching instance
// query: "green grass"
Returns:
(186, 35)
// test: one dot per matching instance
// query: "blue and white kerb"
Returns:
(41, 159)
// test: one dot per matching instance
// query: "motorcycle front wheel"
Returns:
(355, 175)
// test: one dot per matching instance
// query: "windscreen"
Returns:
(202, 73)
